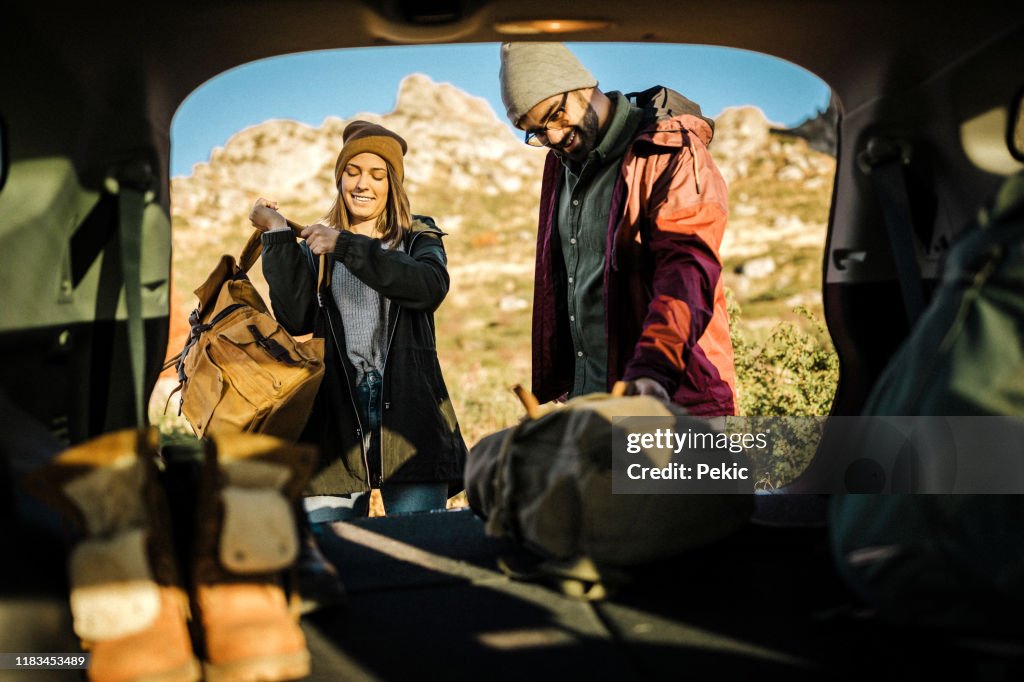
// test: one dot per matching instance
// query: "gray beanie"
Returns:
(532, 72)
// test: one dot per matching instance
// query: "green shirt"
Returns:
(583, 207)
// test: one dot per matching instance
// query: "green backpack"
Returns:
(966, 354)
(950, 560)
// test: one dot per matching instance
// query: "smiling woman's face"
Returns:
(364, 187)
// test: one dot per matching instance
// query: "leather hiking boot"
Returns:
(127, 601)
(246, 538)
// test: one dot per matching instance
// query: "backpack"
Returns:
(966, 354)
(240, 370)
(950, 560)
(547, 484)
(661, 102)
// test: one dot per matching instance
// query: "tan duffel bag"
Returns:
(546, 484)
(240, 370)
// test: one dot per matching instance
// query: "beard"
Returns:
(586, 137)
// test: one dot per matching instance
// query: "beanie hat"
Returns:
(363, 136)
(532, 72)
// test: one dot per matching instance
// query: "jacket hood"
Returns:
(422, 223)
(666, 132)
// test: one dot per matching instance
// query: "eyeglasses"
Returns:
(538, 137)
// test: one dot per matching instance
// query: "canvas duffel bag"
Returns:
(240, 370)
(547, 484)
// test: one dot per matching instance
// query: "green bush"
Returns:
(792, 373)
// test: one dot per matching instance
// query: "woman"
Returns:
(383, 418)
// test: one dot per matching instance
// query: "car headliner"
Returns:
(102, 69)
(864, 50)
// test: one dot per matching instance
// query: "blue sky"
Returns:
(310, 86)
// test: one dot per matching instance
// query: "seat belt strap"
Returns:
(132, 184)
(884, 161)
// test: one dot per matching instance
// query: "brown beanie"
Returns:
(363, 136)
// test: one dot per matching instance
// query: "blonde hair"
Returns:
(392, 222)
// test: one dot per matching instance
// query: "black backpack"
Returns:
(661, 102)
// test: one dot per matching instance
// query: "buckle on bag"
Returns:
(273, 348)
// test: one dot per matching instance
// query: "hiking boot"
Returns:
(127, 601)
(245, 539)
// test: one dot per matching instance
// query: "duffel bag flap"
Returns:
(547, 483)
(265, 340)
(224, 288)
(241, 291)
(209, 290)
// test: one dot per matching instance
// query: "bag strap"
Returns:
(254, 247)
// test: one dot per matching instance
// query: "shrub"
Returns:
(793, 373)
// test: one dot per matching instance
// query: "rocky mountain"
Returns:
(481, 183)
(458, 149)
(819, 130)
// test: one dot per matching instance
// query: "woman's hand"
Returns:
(264, 216)
(320, 239)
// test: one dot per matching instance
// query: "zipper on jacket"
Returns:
(384, 367)
(380, 399)
(348, 386)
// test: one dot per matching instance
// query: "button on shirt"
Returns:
(583, 207)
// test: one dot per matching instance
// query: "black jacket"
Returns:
(420, 436)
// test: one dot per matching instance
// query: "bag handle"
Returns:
(534, 410)
(254, 247)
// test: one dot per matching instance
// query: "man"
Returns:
(633, 209)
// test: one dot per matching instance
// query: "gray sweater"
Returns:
(364, 313)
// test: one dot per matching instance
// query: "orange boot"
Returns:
(127, 601)
(246, 538)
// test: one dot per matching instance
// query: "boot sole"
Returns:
(266, 669)
(189, 672)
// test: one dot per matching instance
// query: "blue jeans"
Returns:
(368, 399)
(399, 498)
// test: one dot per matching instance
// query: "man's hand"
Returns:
(320, 239)
(645, 386)
(264, 216)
